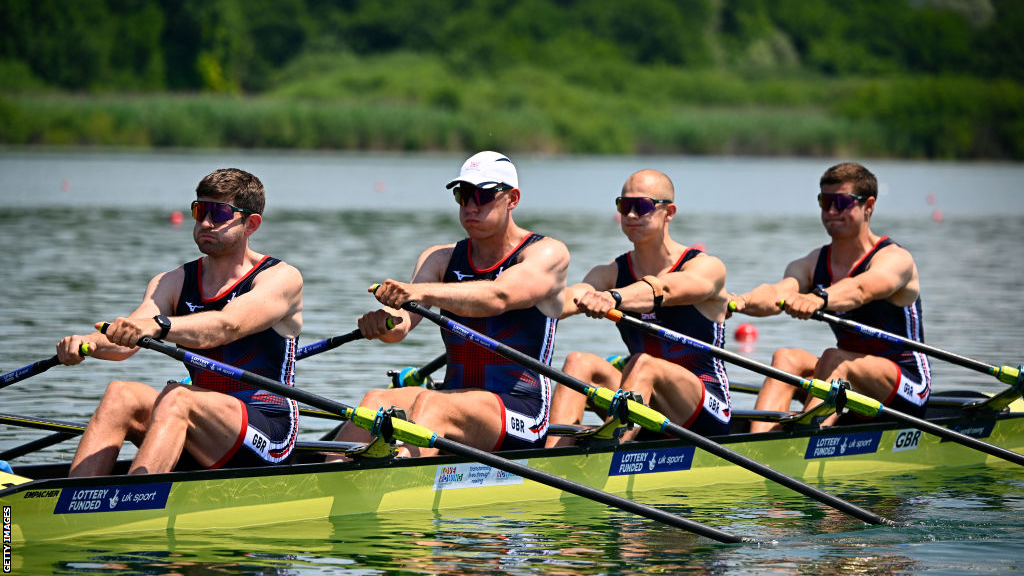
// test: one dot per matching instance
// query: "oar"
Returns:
(416, 376)
(1005, 374)
(333, 342)
(646, 416)
(855, 401)
(37, 368)
(417, 435)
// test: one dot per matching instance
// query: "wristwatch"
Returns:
(165, 326)
(820, 293)
(617, 297)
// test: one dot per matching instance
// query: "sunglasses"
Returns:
(642, 205)
(842, 202)
(219, 212)
(466, 192)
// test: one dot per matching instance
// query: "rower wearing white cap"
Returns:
(503, 281)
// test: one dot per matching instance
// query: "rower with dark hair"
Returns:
(235, 305)
(860, 276)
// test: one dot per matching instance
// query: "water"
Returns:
(83, 232)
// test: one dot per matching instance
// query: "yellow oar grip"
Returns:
(85, 349)
(733, 305)
(373, 288)
(403, 430)
(859, 403)
(1008, 374)
(614, 315)
(645, 416)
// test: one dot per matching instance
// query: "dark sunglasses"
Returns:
(219, 211)
(842, 202)
(642, 205)
(465, 192)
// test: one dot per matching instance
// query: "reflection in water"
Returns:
(944, 509)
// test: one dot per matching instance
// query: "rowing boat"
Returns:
(40, 503)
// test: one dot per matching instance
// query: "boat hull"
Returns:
(55, 508)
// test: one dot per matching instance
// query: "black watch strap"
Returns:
(820, 293)
(617, 297)
(165, 326)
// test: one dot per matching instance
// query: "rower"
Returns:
(503, 280)
(233, 303)
(869, 279)
(666, 283)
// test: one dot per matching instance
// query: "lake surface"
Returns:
(83, 233)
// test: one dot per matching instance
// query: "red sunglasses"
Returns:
(219, 212)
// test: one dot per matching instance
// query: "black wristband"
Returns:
(165, 326)
(820, 293)
(617, 297)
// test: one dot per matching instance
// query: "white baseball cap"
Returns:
(486, 170)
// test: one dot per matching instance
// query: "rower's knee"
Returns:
(175, 401)
(579, 365)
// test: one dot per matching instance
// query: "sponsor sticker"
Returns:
(647, 461)
(906, 440)
(974, 429)
(842, 444)
(113, 498)
(471, 475)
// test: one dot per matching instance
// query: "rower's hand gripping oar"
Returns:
(645, 416)
(1005, 374)
(855, 401)
(37, 367)
(417, 435)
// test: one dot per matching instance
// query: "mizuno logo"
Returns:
(193, 307)
(460, 275)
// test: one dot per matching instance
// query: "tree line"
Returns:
(902, 64)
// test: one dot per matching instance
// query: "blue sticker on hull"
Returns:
(646, 461)
(113, 498)
(974, 429)
(842, 444)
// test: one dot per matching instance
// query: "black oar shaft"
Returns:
(327, 344)
(1005, 374)
(36, 368)
(649, 418)
(417, 434)
(856, 401)
(38, 444)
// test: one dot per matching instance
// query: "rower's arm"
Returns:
(890, 271)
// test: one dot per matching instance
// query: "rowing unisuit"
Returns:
(714, 416)
(270, 422)
(913, 385)
(524, 394)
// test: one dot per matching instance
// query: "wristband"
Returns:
(658, 287)
(820, 293)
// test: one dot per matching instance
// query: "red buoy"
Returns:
(176, 218)
(746, 333)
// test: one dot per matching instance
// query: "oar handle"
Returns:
(38, 367)
(646, 416)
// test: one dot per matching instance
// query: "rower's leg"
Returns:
(205, 422)
(568, 405)
(123, 414)
(468, 416)
(776, 395)
(401, 398)
(872, 376)
(665, 386)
